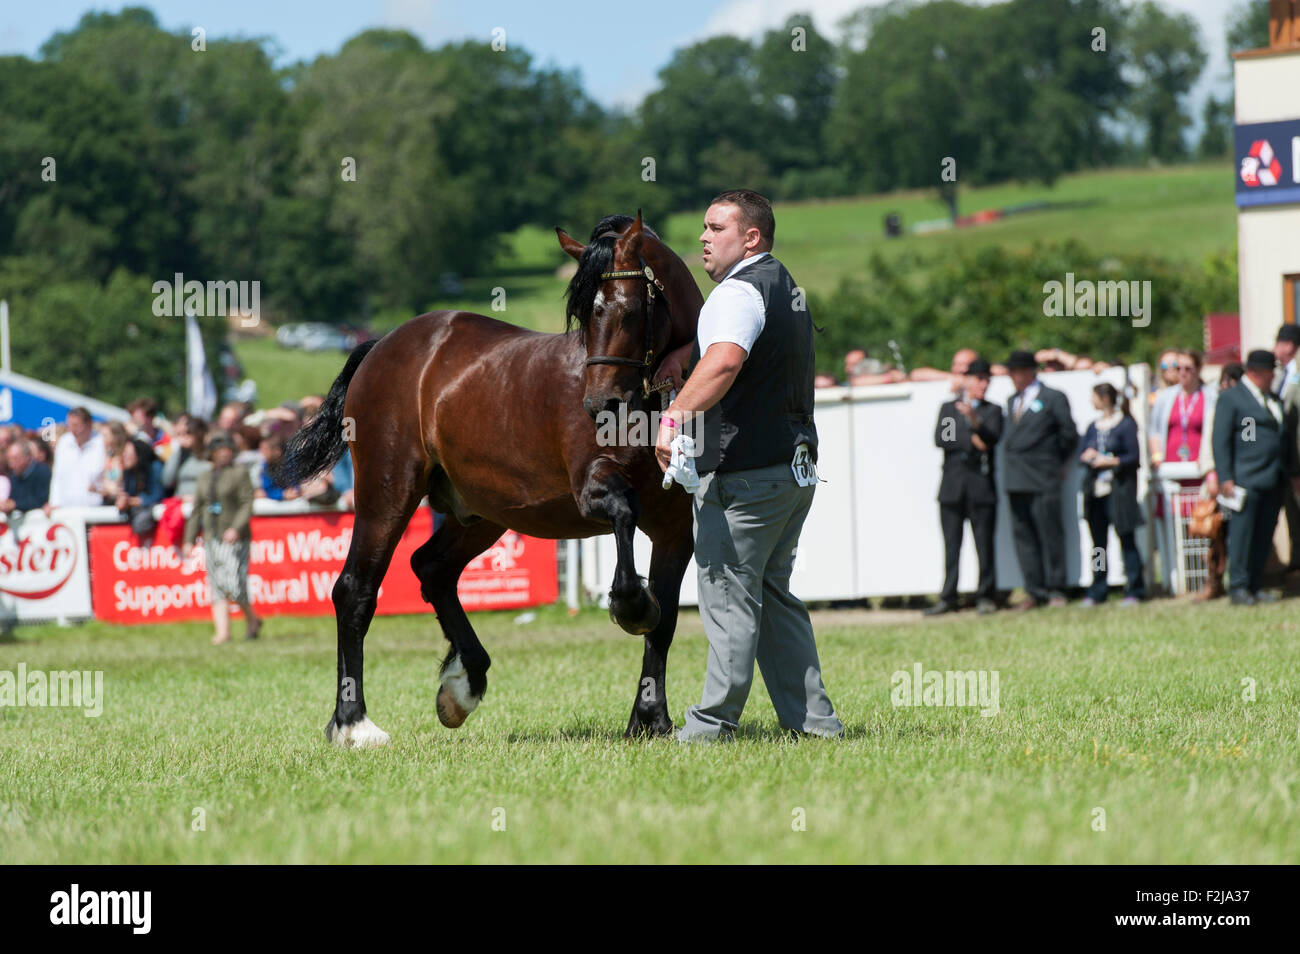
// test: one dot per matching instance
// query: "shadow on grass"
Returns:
(573, 733)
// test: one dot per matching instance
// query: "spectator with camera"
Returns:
(968, 430)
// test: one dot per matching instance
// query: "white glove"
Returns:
(682, 466)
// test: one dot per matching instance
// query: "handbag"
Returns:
(1206, 519)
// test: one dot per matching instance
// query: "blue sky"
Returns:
(617, 54)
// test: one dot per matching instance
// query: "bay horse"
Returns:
(496, 425)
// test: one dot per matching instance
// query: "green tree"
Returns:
(1248, 26)
(1011, 91)
(1216, 128)
(102, 208)
(1166, 57)
(706, 124)
(796, 83)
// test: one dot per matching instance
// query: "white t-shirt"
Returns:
(733, 312)
(76, 467)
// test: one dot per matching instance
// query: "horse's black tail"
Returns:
(318, 446)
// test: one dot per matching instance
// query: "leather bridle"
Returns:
(647, 363)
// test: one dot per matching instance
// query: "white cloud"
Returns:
(421, 17)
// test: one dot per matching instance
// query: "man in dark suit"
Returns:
(29, 479)
(1038, 439)
(969, 428)
(1254, 450)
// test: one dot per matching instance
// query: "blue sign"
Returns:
(1267, 162)
(34, 404)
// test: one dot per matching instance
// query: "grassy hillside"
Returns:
(1182, 213)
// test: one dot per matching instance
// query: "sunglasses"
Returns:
(1168, 366)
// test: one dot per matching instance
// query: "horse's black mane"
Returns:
(595, 261)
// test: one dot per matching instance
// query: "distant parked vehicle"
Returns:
(358, 335)
(450, 285)
(320, 336)
(288, 336)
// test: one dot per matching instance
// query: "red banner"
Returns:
(293, 563)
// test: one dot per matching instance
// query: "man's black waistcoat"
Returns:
(768, 412)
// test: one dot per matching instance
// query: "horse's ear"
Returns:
(630, 243)
(569, 243)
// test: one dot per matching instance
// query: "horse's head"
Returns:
(618, 301)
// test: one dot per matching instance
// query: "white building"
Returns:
(1267, 150)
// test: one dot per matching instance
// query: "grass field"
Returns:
(1183, 213)
(1136, 712)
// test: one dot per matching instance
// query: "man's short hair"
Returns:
(146, 404)
(755, 212)
(21, 444)
(1289, 333)
(82, 413)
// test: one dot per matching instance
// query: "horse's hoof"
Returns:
(358, 735)
(637, 615)
(655, 728)
(455, 701)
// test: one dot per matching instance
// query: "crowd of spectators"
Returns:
(148, 459)
(1243, 463)
(861, 369)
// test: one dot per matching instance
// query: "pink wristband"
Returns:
(667, 421)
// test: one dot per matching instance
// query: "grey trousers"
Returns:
(747, 527)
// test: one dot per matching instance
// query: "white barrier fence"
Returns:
(874, 525)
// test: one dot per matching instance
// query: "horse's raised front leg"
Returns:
(668, 563)
(438, 564)
(607, 495)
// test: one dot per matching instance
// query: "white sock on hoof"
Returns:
(360, 735)
(456, 681)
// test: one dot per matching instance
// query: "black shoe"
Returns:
(938, 609)
(1264, 596)
(985, 607)
(1241, 598)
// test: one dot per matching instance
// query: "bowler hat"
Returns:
(1261, 360)
(980, 367)
(1021, 359)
